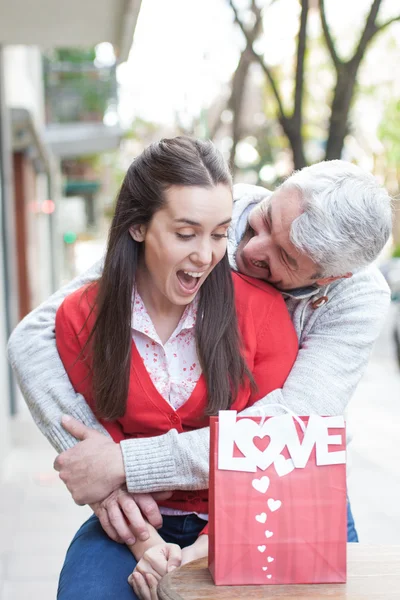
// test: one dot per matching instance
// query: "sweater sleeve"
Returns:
(332, 359)
(40, 373)
(334, 353)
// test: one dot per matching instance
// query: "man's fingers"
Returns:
(160, 496)
(149, 509)
(174, 557)
(137, 524)
(57, 463)
(75, 427)
(118, 522)
(106, 525)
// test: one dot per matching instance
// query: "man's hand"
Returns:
(122, 515)
(92, 469)
(155, 563)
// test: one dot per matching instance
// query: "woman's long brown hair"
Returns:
(185, 162)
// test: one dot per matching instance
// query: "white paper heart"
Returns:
(261, 485)
(247, 430)
(261, 518)
(269, 534)
(274, 505)
(270, 559)
(269, 576)
(261, 548)
(283, 466)
(265, 568)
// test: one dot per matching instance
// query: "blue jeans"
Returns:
(351, 529)
(96, 568)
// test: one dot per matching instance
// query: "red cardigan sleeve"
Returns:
(276, 350)
(268, 334)
(71, 336)
(72, 331)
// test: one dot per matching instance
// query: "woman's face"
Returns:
(184, 241)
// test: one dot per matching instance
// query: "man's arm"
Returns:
(40, 373)
(334, 353)
(331, 361)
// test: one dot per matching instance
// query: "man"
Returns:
(314, 239)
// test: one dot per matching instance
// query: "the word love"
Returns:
(282, 432)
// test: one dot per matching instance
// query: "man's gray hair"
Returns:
(347, 216)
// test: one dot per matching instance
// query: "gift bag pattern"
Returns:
(278, 523)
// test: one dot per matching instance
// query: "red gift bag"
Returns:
(277, 500)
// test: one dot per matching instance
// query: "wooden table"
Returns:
(373, 574)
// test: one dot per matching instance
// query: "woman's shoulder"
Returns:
(79, 304)
(260, 307)
(258, 298)
(255, 290)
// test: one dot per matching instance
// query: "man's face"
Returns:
(266, 252)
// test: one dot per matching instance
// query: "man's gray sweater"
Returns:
(335, 342)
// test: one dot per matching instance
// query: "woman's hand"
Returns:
(156, 562)
(145, 587)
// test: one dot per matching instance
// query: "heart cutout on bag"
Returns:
(247, 431)
(261, 443)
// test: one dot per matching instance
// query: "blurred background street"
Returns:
(84, 88)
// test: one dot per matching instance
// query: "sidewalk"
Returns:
(38, 518)
(373, 422)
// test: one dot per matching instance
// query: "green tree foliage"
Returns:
(389, 133)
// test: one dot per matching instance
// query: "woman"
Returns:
(167, 336)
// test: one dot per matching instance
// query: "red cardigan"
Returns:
(270, 347)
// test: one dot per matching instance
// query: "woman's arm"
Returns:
(154, 561)
(139, 548)
(160, 559)
(197, 550)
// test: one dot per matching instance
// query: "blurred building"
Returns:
(46, 119)
(82, 118)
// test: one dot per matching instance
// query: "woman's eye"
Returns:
(220, 236)
(183, 236)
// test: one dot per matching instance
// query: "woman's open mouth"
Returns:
(189, 281)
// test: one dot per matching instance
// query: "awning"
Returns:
(25, 136)
(49, 24)
(77, 139)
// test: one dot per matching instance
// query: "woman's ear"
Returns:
(138, 232)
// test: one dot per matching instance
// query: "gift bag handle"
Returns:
(288, 410)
